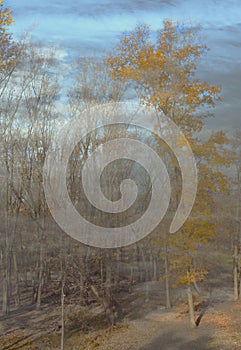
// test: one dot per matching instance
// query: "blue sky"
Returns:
(79, 27)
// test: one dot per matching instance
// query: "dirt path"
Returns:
(179, 337)
(178, 342)
(220, 329)
(161, 330)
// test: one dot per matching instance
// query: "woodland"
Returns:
(54, 290)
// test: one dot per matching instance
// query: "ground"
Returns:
(220, 329)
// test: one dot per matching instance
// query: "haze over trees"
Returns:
(40, 264)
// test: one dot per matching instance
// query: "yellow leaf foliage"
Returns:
(162, 72)
(7, 46)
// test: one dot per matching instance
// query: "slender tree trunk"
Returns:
(147, 293)
(62, 315)
(101, 272)
(6, 285)
(117, 271)
(16, 280)
(108, 292)
(239, 277)
(167, 281)
(6, 298)
(191, 307)
(145, 265)
(131, 279)
(40, 277)
(5, 257)
(236, 272)
(237, 253)
(139, 263)
(155, 278)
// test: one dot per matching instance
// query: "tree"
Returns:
(9, 49)
(10, 98)
(26, 121)
(237, 215)
(39, 107)
(162, 72)
(92, 86)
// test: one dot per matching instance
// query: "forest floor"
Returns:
(146, 324)
(220, 329)
(150, 329)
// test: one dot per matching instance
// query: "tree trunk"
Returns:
(5, 294)
(108, 293)
(5, 302)
(236, 273)
(191, 307)
(5, 283)
(40, 276)
(62, 315)
(155, 278)
(237, 251)
(103, 300)
(131, 279)
(167, 281)
(16, 281)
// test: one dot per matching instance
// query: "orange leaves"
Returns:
(7, 47)
(193, 276)
(188, 276)
(162, 70)
(5, 16)
(219, 319)
(226, 322)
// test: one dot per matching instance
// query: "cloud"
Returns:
(81, 27)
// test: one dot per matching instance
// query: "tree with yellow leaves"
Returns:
(8, 48)
(162, 72)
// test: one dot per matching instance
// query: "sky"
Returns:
(82, 27)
